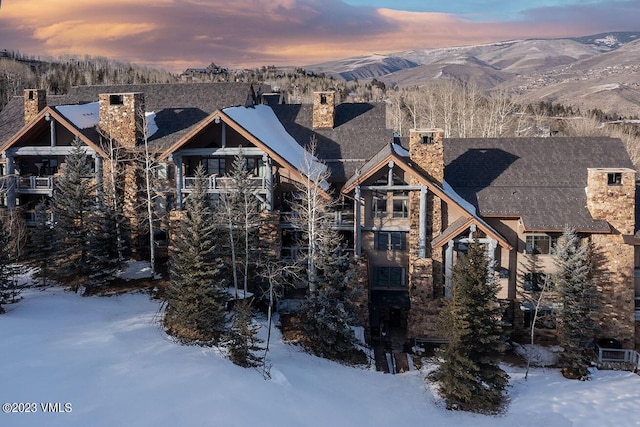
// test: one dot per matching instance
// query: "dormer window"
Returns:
(614, 178)
(116, 100)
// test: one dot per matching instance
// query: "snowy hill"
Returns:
(110, 361)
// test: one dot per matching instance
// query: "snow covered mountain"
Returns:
(570, 67)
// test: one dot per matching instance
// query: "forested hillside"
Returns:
(57, 75)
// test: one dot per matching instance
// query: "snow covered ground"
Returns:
(108, 358)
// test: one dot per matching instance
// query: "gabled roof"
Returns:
(358, 134)
(39, 122)
(541, 180)
(399, 155)
(259, 125)
(178, 106)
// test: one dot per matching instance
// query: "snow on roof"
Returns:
(152, 127)
(400, 150)
(453, 194)
(85, 116)
(263, 124)
(448, 189)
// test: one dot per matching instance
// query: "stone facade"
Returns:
(35, 100)
(611, 197)
(425, 275)
(427, 152)
(324, 109)
(122, 117)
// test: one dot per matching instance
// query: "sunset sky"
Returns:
(177, 34)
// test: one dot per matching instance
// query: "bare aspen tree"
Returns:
(313, 209)
(112, 196)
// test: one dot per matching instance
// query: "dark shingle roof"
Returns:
(359, 133)
(178, 106)
(542, 180)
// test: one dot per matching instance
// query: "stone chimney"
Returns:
(427, 152)
(34, 101)
(611, 196)
(122, 117)
(324, 110)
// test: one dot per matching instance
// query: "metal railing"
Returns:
(222, 183)
(26, 183)
(615, 355)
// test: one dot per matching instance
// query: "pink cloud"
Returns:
(176, 34)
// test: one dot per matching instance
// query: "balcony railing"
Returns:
(222, 183)
(615, 355)
(340, 218)
(34, 183)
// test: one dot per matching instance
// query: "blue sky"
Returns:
(490, 10)
(177, 34)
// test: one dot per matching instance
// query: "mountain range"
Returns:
(599, 71)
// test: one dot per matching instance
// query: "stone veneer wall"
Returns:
(324, 113)
(425, 276)
(123, 121)
(34, 101)
(270, 235)
(614, 258)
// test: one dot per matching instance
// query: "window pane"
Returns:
(382, 241)
(399, 241)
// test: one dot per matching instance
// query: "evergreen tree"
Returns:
(103, 260)
(578, 295)
(41, 242)
(196, 297)
(72, 203)
(243, 342)
(325, 318)
(469, 376)
(7, 286)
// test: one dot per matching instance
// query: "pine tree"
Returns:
(576, 320)
(196, 297)
(41, 242)
(7, 289)
(469, 376)
(72, 203)
(243, 342)
(103, 258)
(325, 318)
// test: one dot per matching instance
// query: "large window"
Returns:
(401, 204)
(541, 243)
(388, 277)
(215, 166)
(391, 240)
(379, 204)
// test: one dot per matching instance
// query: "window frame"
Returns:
(533, 240)
(390, 241)
(382, 277)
